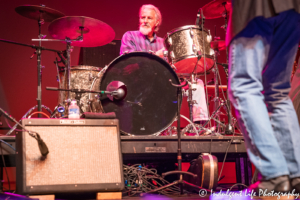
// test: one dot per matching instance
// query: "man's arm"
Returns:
(127, 43)
(160, 52)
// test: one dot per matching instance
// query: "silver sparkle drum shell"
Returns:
(184, 43)
(82, 77)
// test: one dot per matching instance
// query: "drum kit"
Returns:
(150, 104)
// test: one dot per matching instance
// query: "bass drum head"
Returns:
(150, 105)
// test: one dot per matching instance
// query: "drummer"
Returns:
(146, 39)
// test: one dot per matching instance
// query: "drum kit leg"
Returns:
(196, 45)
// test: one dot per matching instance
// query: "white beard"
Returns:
(145, 30)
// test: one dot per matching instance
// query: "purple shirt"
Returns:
(136, 41)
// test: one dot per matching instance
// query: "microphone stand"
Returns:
(38, 52)
(179, 182)
(68, 62)
(118, 94)
(229, 128)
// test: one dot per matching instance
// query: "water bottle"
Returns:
(74, 111)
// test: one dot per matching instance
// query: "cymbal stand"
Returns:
(217, 100)
(39, 106)
(229, 128)
(69, 50)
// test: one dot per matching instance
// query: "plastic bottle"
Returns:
(74, 111)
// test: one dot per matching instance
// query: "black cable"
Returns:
(8, 145)
(4, 166)
(226, 155)
(11, 126)
(148, 179)
(238, 184)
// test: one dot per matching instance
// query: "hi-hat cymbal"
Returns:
(39, 12)
(218, 45)
(95, 32)
(216, 9)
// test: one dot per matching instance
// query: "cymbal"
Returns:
(218, 45)
(95, 32)
(212, 87)
(38, 12)
(215, 9)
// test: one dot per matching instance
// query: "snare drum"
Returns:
(184, 44)
(150, 105)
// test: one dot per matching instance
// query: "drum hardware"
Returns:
(118, 94)
(69, 50)
(179, 182)
(25, 116)
(64, 29)
(218, 45)
(216, 9)
(39, 50)
(42, 14)
(60, 109)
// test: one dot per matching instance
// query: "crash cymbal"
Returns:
(39, 12)
(218, 45)
(95, 32)
(215, 9)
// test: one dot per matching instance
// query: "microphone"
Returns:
(42, 146)
(120, 93)
(117, 89)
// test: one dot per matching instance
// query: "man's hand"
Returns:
(160, 52)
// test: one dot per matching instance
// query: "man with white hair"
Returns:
(146, 39)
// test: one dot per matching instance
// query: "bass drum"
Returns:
(150, 105)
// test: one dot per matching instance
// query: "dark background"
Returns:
(18, 73)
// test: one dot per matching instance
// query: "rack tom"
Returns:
(184, 44)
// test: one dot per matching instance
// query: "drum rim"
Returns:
(192, 56)
(85, 67)
(184, 28)
(155, 56)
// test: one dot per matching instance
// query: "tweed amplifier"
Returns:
(84, 156)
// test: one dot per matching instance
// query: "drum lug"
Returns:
(172, 55)
(165, 53)
(194, 49)
(152, 52)
(191, 32)
(209, 38)
(173, 66)
(169, 40)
